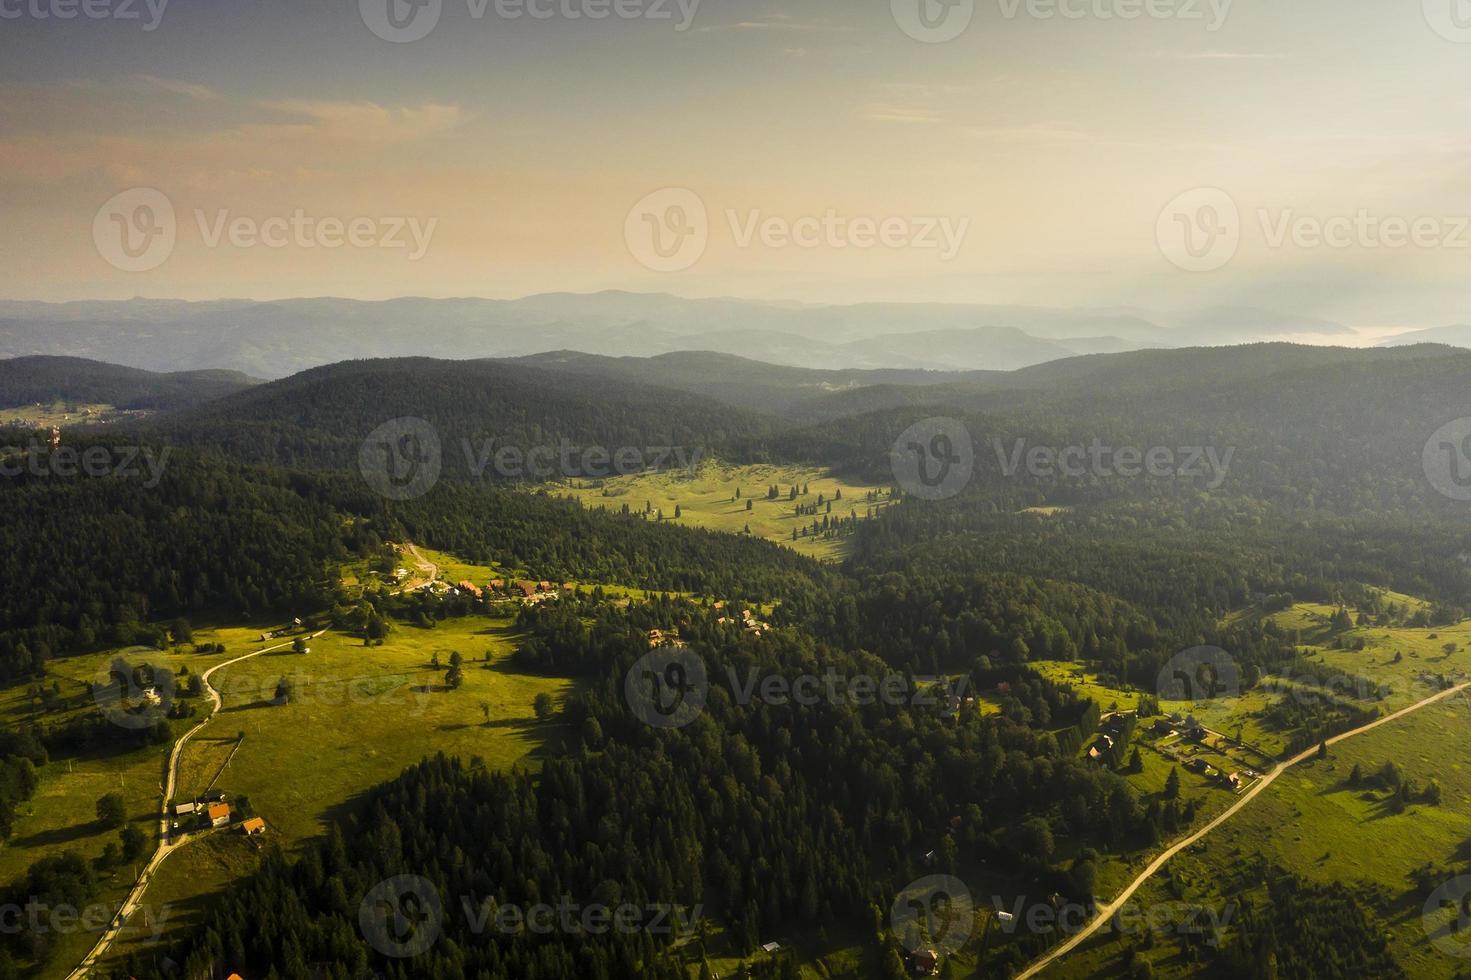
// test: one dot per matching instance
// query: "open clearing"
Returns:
(707, 499)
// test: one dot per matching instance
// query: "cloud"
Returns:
(1220, 56)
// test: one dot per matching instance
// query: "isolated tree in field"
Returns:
(133, 841)
(749, 502)
(298, 645)
(1172, 784)
(434, 660)
(1356, 777)
(1323, 749)
(1136, 761)
(543, 706)
(283, 691)
(485, 710)
(678, 512)
(453, 678)
(112, 810)
(455, 660)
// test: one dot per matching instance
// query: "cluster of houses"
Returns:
(748, 620)
(524, 590)
(213, 811)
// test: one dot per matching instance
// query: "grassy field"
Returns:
(62, 816)
(707, 499)
(1317, 825)
(359, 716)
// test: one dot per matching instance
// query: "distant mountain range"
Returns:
(277, 339)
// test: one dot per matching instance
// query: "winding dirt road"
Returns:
(1107, 912)
(166, 845)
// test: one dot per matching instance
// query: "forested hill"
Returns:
(45, 380)
(1308, 431)
(320, 418)
(743, 382)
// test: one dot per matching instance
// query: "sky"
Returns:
(1309, 157)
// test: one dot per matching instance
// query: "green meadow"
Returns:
(708, 499)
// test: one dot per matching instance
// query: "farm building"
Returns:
(255, 825)
(218, 814)
(184, 809)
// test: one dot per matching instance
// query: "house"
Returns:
(255, 825)
(926, 963)
(184, 809)
(771, 947)
(1232, 781)
(1003, 688)
(218, 814)
(528, 589)
(1164, 728)
(569, 586)
(544, 586)
(497, 585)
(1094, 755)
(470, 588)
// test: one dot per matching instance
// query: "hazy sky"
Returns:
(1029, 158)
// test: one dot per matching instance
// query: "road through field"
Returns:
(165, 843)
(1107, 912)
